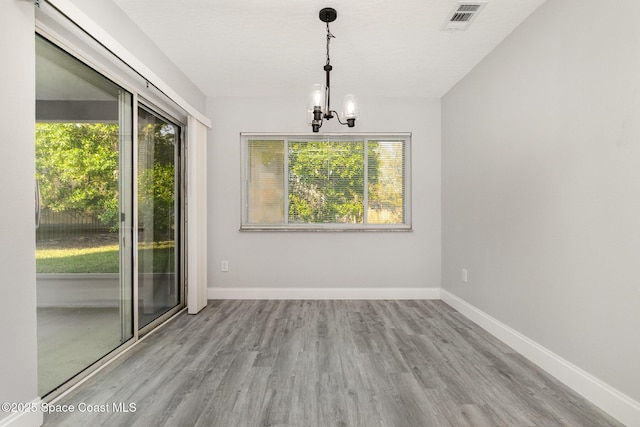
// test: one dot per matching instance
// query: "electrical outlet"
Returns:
(224, 266)
(465, 275)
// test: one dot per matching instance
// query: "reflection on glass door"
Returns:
(83, 137)
(158, 281)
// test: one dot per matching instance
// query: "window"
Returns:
(311, 182)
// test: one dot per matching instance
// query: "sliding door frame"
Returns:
(181, 225)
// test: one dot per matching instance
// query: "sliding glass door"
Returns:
(84, 143)
(108, 217)
(158, 214)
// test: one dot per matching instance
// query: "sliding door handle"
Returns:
(37, 204)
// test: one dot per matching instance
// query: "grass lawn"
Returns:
(100, 259)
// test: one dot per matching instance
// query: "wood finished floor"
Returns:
(327, 363)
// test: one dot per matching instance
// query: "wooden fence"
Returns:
(56, 225)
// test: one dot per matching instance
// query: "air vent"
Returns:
(468, 7)
(462, 15)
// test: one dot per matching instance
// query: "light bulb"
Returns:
(350, 107)
(317, 96)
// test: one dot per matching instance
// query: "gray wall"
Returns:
(18, 381)
(541, 185)
(331, 259)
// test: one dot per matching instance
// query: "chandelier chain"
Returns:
(329, 37)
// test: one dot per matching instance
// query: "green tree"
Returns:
(386, 182)
(77, 168)
(326, 182)
(156, 179)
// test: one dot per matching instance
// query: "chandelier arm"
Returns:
(338, 117)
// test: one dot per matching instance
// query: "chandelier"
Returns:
(320, 103)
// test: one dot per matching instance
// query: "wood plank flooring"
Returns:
(326, 363)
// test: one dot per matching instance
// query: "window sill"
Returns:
(328, 228)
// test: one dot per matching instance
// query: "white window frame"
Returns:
(346, 137)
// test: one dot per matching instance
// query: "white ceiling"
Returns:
(277, 47)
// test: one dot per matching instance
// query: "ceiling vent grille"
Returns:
(462, 15)
(468, 7)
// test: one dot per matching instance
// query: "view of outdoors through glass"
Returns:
(82, 146)
(158, 289)
(85, 232)
(327, 182)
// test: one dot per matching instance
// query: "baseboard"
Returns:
(323, 293)
(24, 418)
(615, 403)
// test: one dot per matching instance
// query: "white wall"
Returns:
(322, 259)
(541, 185)
(18, 356)
(120, 27)
(18, 348)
